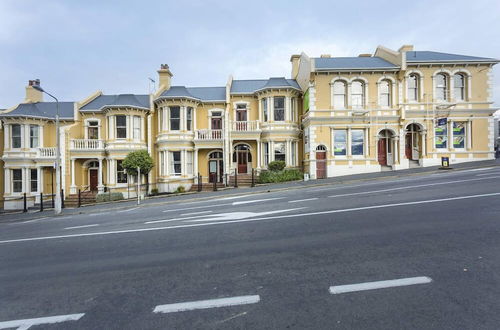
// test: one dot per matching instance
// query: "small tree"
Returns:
(138, 159)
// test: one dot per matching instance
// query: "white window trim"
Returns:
(346, 91)
(392, 91)
(86, 126)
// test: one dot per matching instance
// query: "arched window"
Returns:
(242, 148)
(441, 87)
(216, 155)
(385, 93)
(413, 91)
(357, 94)
(321, 148)
(339, 94)
(459, 86)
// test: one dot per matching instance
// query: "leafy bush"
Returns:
(107, 197)
(277, 165)
(280, 176)
(180, 189)
(154, 192)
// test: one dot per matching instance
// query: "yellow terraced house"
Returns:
(334, 116)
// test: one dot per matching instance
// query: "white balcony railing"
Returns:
(209, 134)
(87, 144)
(245, 126)
(48, 152)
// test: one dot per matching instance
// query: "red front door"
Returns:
(93, 179)
(320, 164)
(242, 161)
(408, 146)
(382, 152)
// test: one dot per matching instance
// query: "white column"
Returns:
(423, 137)
(270, 107)
(40, 179)
(149, 139)
(468, 135)
(73, 186)
(112, 176)
(195, 161)
(100, 187)
(367, 142)
(26, 180)
(111, 127)
(6, 136)
(26, 129)
(159, 116)
(40, 136)
(287, 153)
(129, 124)
(271, 151)
(349, 142)
(287, 108)
(258, 154)
(183, 162)
(167, 165)
(7, 182)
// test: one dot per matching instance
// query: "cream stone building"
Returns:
(335, 116)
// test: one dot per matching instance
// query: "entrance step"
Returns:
(206, 186)
(414, 163)
(244, 180)
(386, 168)
(86, 197)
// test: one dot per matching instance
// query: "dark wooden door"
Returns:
(93, 179)
(382, 151)
(242, 158)
(216, 123)
(408, 146)
(320, 164)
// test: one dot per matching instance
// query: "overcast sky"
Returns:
(78, 47)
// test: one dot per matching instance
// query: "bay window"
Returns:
(189, 118)
(189, 162)
(16, 135)
(279, 108)
(280, 151)
(266, 153)
(34, 136)
(175, 118)
(294, 153)
(33, 180)
(340, 142)
(264, 109)
(121, 176)
(175, 163)
(137, 128)
(17, 180)
(121, 127)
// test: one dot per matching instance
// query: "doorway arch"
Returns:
(413, 142)
(242, 156)
(385, 147)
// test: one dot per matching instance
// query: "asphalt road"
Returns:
(275, 255)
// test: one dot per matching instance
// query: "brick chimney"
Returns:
(165, 77)
(33, 95)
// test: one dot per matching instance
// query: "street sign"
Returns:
(445, 162)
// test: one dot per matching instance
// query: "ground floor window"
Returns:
(189, 162)
(34, 180)
(340, 142)
(17, 180)
(294, 153)
(279, 151)
(121, 176)
(357, 142)
(441, 136)
(458, 134)
(266, 153)
(175, 163)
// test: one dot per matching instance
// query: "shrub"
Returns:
(107, 197)
(277, 165)
(280, 176)
(154, 192)
(180, 189)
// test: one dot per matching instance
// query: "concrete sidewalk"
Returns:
(195, 196)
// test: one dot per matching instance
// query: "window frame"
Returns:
(265, 112)
(281, 155)
(121, 175)
(441, 89)
(279, 109)
(443, 136)
(136, 128)
(33, 138)
(385, 95)
(33, 182)
(462, 89)
(17, 181)
(354, 142)
(122, 128)
(189, 118)
(174, 163)
(336, 153)
(91, 128)
(14, 138)
(344, 94)
(361, 95)
(174, 120)
(416, 89)
(462, 134)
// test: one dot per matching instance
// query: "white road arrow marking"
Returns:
(26, 323)
(241, 215)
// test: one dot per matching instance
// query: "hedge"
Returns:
(280, 176)
(106, 197)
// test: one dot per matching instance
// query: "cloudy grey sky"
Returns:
(78, 47)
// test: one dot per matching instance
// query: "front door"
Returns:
(408, 146)
(382, 151)
(242, 156)
(320, 164)
(93, 173)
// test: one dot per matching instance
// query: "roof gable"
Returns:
(130, 100)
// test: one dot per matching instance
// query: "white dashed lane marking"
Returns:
(303, 200)
(83, 226)
(204, 304)
(27, 323)
(379, 284)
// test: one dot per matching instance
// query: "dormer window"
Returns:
(279, 108)
(16, 136)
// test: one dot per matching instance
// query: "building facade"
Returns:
(334, 116)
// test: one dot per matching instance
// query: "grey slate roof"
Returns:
(428, 56)
(197, 93)
(45, 110)
(354, 63)
(132, 100)
(251, 86)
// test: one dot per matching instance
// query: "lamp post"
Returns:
(57, 206)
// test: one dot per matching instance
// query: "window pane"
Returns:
(17, 180)
(34, 130)
(121, 177)
(16, 136)
(357, 139)
(189, 118)
(279, 151)
(175, 118)
(458, 134)
(34, 180)
(357, 94)
(121, 127)
(264, 108)
(340, 142)
(339, 92)
(279, 108)
(441, 136)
